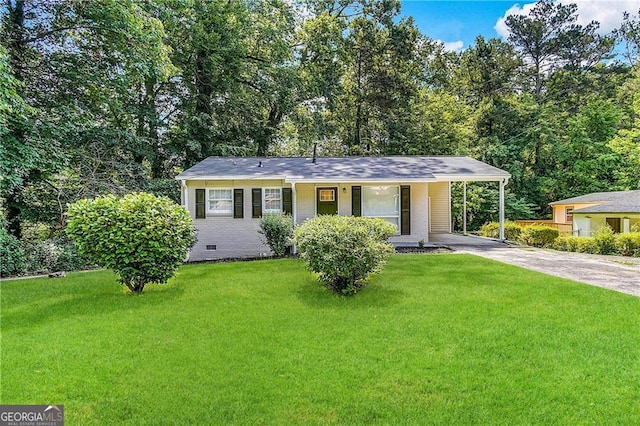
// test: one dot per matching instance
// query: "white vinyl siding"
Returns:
(440, 207)
(306, 202)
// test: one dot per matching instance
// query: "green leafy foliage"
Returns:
(567, 243)
(277, 229)
(512, 230)
(538, 236)
(343, 250)
(603, 242)
(12, 257)
(628, 244)
(141, 237)
(117, 96)
(42, 256)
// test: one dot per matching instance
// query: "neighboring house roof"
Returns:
(606, 202)
(408, 168)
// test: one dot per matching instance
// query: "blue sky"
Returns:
(458, 22)
(455, 21)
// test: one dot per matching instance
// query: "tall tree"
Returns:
(82, 66)
(549, 39)
(629, 35)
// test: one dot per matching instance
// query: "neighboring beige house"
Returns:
(227, 196)
(588, 213)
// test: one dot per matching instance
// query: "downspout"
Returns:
(184, 200)
(184, 193)
(464, 208)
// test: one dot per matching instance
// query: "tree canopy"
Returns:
(115, 96)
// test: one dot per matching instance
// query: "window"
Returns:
(220, 201)
(327, 195)
(382, 202)
(569, 215)
(272, 201)
(200, 204)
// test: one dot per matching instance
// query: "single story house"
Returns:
(588, 213)
(227, 196)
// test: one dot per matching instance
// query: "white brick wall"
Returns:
(240, 237)
(232, 237)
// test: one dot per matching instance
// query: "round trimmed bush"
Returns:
(141, 237)
(344, 250)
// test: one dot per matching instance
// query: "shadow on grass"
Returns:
(78, 302)
(315, 294)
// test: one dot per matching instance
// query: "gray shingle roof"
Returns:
(608, 202)
(344, 169)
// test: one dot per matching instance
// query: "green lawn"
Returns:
(444, 339)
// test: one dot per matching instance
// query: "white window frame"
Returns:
(568, 213)
(265, 210)
(228, 212)
(365, 193)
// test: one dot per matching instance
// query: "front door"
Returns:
(327, 200)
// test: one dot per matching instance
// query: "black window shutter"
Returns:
(287, 200)
(405, 210)
(256, 202)
(356, 200)
(238, 203)
(200, 204)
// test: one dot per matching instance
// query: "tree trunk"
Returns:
(200, 132)
(266, 136)
(157, 167)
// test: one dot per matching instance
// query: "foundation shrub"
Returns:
(277, 230)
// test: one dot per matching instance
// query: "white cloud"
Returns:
(501, 26)
(452, 46)
(607, 12)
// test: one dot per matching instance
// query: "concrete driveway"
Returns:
(613, 272)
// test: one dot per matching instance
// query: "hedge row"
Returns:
(534, 235)
(37, 257)
(605, 241)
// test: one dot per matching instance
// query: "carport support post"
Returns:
(294, 211)
(464, 208)
(502, 184)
